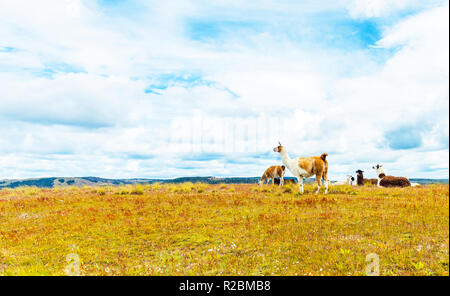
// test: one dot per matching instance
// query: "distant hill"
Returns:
(68, 181)
(96, 181)
(429, 181)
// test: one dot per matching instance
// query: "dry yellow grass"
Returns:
(200, 229)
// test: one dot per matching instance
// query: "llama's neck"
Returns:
(285, 158)
(360, 179)
(381, 173)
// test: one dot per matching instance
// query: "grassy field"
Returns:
(200, 229)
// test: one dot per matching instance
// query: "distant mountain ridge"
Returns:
(51, 182)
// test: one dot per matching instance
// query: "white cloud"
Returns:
(383, 8)
(91, 115)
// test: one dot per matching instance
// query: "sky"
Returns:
(163, 89)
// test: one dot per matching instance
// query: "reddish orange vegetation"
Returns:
(200, 229)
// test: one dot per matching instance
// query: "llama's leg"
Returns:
(325, 181)
(300, 184)
(318, 178)
(281, 181)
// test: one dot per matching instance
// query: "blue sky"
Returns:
(128, 88)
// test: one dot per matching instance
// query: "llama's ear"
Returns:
(279, 144)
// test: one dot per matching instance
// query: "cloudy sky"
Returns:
(129, 88)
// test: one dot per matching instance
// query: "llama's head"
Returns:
(359, 172)
(279, 148)
(283, 167)
(379, 169)
(350, 179)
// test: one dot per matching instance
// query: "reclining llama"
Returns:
(360, 180)
(349, 181)
(389, 181)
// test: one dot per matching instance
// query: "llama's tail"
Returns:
(324, 156)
